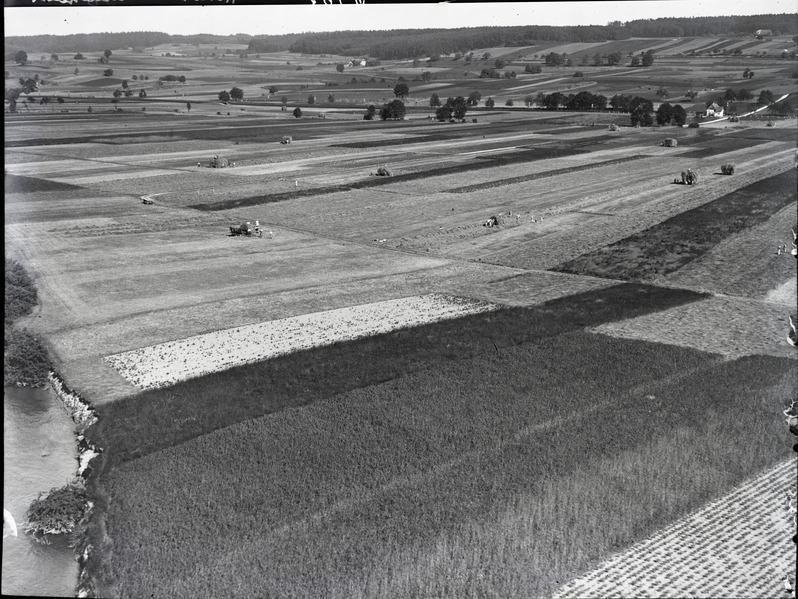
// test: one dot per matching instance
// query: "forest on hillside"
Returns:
(410, 43)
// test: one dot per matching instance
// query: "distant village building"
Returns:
(760, 33)
(714, 110)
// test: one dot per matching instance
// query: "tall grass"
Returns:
(198, 406)
(496, 476)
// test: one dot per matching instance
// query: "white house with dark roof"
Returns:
(714, 109)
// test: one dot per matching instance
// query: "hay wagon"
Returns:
(247, 230)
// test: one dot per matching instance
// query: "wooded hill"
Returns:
(410, 43)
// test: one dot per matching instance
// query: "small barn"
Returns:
(669, 142)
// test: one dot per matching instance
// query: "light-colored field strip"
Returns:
(738, 546)
(114, 176)
(731, 326)
(168, 363)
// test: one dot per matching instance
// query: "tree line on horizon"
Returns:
(409, 43)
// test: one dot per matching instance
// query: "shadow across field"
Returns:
(670, 245)
(23, 184)
(482, 162)
(198, 406)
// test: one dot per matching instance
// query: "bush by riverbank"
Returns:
(59, 512)
(21, 294)
(25, 360)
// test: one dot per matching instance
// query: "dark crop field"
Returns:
(672, 244)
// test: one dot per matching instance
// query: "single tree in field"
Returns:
(311, 99)
(648, 58)
(54, 57)
(237, 94)
(297, 112)
(529, 100)
(661, 92)
(635, 62)
(401, 90)
(142, 94)
(78, 56)
(76, 71)
(108, 72)
(765, 97)
(473, 98)
(128, 93)
(331, 99)
(509, 102)
(444, 113)
(490, 103)
(750, 74)
(339, 67)
(395, 109)
(585, 60)
(107, 54)
(117, 93)
(641, 110)
(690, 95)
(272, 90)
(124, 84)
(188, 106)
(426, 76)
(224, 96)
(745, 73)
(134, 77)
(284, 101)
(434, 100)
(21, 57)
(743, 95)
(597, 59)
(370, 112)
(664, 114)
(679, 116)
(182, 79)
(459, 107)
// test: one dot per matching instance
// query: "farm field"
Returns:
(383, 396)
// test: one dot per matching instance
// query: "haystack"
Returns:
(614, 127)
(218, 162)
(384, 171)
(727, 168)
(287, 139)
(669, 142)
(689, 177)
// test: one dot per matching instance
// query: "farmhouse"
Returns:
(760, 33)
(714, 109)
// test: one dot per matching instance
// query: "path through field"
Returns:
(738, 546)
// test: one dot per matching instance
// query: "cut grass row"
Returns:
(671, 244)
(497, 475)
(198, 406)
(526, 155)
(543, 175)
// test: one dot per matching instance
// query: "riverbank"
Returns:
(83, 415)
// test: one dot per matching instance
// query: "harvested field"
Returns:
(673, 243)
(730, 326)
(747, 263)
(738, 545)
(392, 447)
(167, 363)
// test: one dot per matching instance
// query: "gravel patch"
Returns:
(167, 363)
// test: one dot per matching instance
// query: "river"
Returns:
(38, 454)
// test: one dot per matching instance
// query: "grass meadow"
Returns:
(497, 475)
